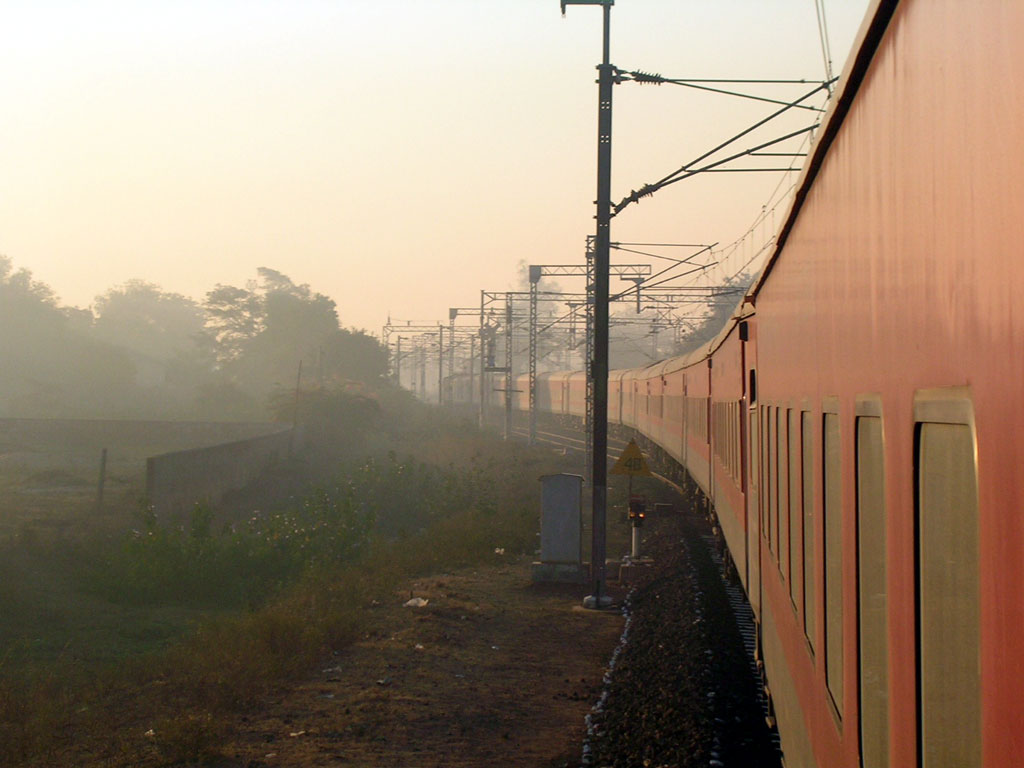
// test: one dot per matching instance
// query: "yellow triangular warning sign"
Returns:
(631, 462)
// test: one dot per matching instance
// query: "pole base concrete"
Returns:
(593, 603)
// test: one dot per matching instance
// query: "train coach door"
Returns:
(684, 423)
(753, 514)
(751, 465)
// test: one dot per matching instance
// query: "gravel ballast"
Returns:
(682, 691)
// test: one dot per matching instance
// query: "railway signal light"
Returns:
(637, 511)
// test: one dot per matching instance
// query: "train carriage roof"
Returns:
(866, 44)
(870, 34)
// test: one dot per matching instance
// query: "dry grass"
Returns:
(75, 712)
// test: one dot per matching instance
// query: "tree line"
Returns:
(142, 352)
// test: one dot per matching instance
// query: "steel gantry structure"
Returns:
(487, 300)
(631, 272)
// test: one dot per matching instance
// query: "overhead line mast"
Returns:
(599, 364)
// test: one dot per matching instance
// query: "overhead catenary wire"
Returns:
(644, 77)
(700, 268)
(645, 282)
(826, 50)
(619, 247)
(767, 209)
(724, 259)
(688, 170)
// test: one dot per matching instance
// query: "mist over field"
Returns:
(141, 352)
(177, 605)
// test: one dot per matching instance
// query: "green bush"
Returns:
(243, 564)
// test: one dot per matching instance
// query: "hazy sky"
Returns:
(395, 154)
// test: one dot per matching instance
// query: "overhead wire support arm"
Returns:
(655, 79)
(669, 268)
(700, 268)
(802, 81)
(702, 247)
(687, 171)
(738, 170)
(621, 247)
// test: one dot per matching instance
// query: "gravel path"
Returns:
(682, 691)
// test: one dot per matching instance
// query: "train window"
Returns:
(832, 554)
(697, 417)
(773, 481)
(782, 425)
(684, 414)
(727, 436)
(807, 494)
(766, 474)
(736, 455)
(725, 425)
(872, 589)
(794, 506)
(716, 429)
(948, 583)
(765, 529)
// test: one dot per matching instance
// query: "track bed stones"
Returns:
(682, 692)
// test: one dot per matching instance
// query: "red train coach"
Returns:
(890, 366)
(856, 425)
(876, 416)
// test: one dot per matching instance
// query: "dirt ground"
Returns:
(493, 670)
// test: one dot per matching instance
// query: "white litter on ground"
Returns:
(599, 706)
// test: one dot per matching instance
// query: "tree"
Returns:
(260, 333)
(51, 366)
(147, 320)
(233, 318)
(355, 355)
(718, 312)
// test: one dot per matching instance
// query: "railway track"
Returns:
(568, 439)
(735, 601)
(748, 633)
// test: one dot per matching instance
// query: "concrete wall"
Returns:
(29, 446)
(175, 481)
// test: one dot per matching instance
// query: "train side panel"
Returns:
(727, 413)
(674, 436)
(577, 395)
(889, 348)
(697, 399)
(629, 398)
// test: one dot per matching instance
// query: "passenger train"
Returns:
(858, 425)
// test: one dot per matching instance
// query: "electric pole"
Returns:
(599, 364)
(508, 366)
(483, 367)
(440, 364)
(398, 363)
(535, 273)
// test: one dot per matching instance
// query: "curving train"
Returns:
(859, 424)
